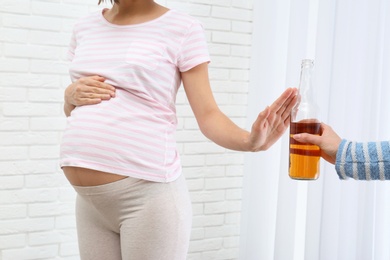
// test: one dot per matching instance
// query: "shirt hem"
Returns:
(120, 171)
(194, 63)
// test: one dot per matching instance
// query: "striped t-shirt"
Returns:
(363, 160)
(132, 134)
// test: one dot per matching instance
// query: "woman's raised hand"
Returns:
(273, 121)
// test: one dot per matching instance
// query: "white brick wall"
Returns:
(36, 202)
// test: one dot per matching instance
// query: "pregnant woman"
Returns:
(119, 149)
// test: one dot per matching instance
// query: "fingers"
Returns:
(283, 106)
(96, 77)
(89, 101)
(88, 91)
(278, 114)
(308, 138)
(284, 98)
(287, 111)
(102, 86)
(94, 95)
(98, 92)
(281, 109)
(262, 118)
(97, 85)
(271, 122)
(325, 127)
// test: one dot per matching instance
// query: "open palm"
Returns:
(273, 121)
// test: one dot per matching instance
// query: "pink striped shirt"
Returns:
(132, 134)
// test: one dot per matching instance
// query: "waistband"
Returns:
(109, 187)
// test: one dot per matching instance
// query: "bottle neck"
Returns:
(306, 108)
(305, 85)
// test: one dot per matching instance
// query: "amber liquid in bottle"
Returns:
(304, 158)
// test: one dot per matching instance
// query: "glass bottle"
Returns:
(305, 158)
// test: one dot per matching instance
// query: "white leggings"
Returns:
(134, 219)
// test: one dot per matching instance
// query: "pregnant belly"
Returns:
(118, 138)
(86, 177)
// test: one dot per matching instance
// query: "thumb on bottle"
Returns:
(297, 137)
(306, 138)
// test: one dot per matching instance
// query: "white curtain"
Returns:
(327, 218)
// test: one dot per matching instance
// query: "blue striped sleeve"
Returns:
(341, 158)
(373, 162)
(385, 159)
(359, 158)
(363, 161)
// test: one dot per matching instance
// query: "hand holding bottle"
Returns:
(329, 142)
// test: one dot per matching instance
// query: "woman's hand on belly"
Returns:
(87, 91)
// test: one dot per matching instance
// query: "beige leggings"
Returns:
(134, 219)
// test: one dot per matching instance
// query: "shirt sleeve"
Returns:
(194, 50)
(72, 46)
(363, 160)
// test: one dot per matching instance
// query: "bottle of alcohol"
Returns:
(305, 158)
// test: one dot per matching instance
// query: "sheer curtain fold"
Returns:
(328, 218)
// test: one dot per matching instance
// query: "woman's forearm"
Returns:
(223, 131)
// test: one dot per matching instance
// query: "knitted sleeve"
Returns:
(363, 160)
